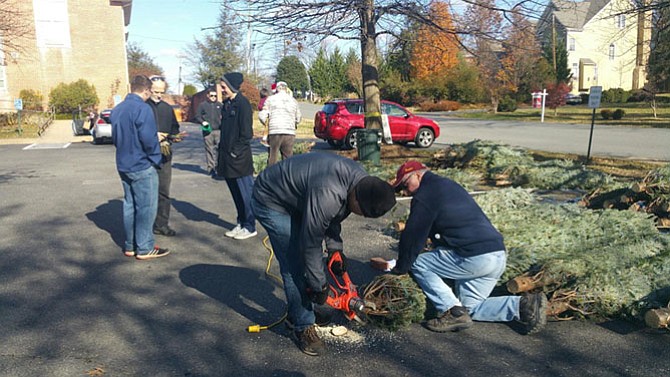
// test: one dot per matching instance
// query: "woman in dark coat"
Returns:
(235, 161)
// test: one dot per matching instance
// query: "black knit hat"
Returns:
(375, 197)
(233, 80)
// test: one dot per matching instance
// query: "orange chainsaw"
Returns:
(343, 294)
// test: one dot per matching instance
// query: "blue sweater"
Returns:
(441, 206)
(134, 135)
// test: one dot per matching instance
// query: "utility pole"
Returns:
(553, 40)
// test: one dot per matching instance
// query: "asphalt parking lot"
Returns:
(72, 305)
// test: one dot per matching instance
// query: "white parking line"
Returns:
(47, 146)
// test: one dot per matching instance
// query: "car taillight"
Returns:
(101, 121)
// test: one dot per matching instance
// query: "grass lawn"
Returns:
(637, 114)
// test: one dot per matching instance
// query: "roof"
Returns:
(574, 15)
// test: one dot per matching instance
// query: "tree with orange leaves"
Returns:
(436, 48)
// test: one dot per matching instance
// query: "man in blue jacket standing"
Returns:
(469, 250)
(138, 156)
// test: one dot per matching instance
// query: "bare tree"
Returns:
(14, 26)
(362, 20)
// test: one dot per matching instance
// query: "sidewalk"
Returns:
(60, 131)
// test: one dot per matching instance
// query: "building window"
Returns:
(621, 21)
(52, 25)
(595, 74)
(611, 52)
(572, 44)
(575, 71)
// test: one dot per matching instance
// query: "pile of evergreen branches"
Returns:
(614, 263)
(504, 166)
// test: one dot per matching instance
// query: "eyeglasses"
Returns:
(212, 95)
(157, 78)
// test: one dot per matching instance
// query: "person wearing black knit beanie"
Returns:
(301, 202)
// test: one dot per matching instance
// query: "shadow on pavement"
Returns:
(243, 290)
(109, 217)
(194, 213)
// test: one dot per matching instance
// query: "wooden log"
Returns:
(554, 308)
(399, 226)
(524, 283)
(663, 222)
(657, 318)
(639, 187)
(503, 182)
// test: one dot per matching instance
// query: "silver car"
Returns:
(102, 130)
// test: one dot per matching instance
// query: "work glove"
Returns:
(165, 148)
(338, 268)
(206, 127)
(318, 297)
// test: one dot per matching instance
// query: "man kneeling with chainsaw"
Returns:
(301, 202)
(468, 249)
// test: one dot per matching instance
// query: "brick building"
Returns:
(68, 40)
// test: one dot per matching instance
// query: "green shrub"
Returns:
(32, 99)
(507, 105)
(606, 114)
(618, 114)
(443, 105)
(189, 90)
(66, 98)
(615, 95)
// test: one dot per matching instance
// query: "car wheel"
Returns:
(424, 138)
(350, 139)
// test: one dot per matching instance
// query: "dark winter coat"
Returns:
(235, 159)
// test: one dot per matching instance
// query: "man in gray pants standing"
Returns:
(208, 115)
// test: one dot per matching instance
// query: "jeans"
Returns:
(211, 149)
(474, 278)
(284, 231)
(140, 203)
(164, 201)
(241, 189)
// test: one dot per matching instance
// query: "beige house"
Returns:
(605, 47)
(67, 40)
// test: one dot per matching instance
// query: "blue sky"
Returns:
(163, 28)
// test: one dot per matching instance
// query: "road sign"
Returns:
(595, 93)
(18, 104)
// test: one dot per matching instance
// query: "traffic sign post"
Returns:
(18, 105)
(595, 93)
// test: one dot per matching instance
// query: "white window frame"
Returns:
(621, 21)
(575, 71)
(52, 23)
(571, 44)
(612, 51)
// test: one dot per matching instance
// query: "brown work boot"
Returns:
(454, 319)
(309, 342)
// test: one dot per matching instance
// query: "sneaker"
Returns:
(157, 252)
(129, 253)
(231, 233)
(167, 231)
(244, 234)
(533, 312)
(309, 342)
(454, 319)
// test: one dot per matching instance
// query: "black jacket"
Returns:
(209, 112)
(235, 159)
(166, 121)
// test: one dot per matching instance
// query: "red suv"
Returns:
(338, 121)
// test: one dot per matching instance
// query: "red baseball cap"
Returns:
(404, 171)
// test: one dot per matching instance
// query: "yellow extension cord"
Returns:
(258, 328)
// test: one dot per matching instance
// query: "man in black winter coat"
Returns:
(235, 161)
(168, 132)
(208, 115)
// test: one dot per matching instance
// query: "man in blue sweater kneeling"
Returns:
(468, 249)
